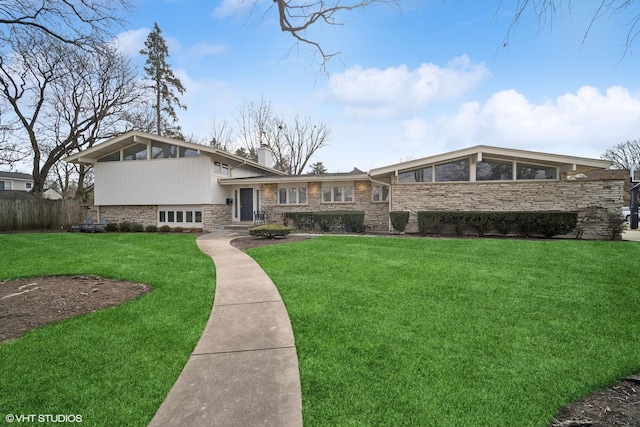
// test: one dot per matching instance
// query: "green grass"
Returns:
(115, 366)
(449, 332)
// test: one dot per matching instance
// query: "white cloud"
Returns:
(231, 7)
(376, 93)
(584, 123)
(201, 50)
(130, 42)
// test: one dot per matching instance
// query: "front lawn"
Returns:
(113, 367)
(447, 332)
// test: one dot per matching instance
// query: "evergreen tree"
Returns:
(163, 83)
(318, 168)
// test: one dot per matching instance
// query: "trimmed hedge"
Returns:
(111, 226)
(399, 220)
(270, 231)
(349, 221)
(536, 223)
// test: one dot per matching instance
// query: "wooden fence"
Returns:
(40, 214)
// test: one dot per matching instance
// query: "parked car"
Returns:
(626, 213)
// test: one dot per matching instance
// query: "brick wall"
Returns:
(510, 196)
(376, 216)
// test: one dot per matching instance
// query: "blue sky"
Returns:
(432, 77)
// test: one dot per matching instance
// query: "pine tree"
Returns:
(163, 83)
(318, 168)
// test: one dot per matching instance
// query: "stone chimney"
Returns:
(265, 156)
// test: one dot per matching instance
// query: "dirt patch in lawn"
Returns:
(30, 303)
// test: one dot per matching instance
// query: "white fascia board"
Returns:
(295, 179)
(483, 151)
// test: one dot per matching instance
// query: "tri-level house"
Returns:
(160, 181)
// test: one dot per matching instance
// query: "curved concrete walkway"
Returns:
(244, 369)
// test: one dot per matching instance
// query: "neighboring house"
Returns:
(161, 181)
(51, 194)
(15, 181)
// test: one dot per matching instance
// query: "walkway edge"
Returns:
(244, 369)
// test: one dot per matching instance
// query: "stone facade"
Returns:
(141, 214)
(213, 216)
(540, 195)
(376, 216)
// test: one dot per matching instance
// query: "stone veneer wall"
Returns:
(213, 216)
(509, 196)
(376, 216)
(142, 214)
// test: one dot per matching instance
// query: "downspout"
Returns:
(390, 198)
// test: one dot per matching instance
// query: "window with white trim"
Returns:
(162, 150)
(379, 193)
(337, 194)
(424, 174)
(135, 152)
(457, 170)
(494, 170)
(5, 185)
(220, 168)
(176, 216)
(292, 195)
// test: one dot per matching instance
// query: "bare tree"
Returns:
(81, 23)
(64, 98)
(293, 142)
(624, 155)
(545, 12)
(296, 18)
(257, 124)
(302, 139)
(221, 135)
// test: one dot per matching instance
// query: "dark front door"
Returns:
(246, 204)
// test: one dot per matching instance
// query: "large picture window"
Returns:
(292, 196)
(337, 194)
(526, 171)
(113, 157)
(453, 171)
(188, 152)
(135, 152)
(417, 175)
(494, 170)
(161, 150)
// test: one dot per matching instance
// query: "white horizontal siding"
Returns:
(183, 181)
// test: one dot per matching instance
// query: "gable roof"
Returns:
(91, 155)
(16, 175)
(566, 163)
